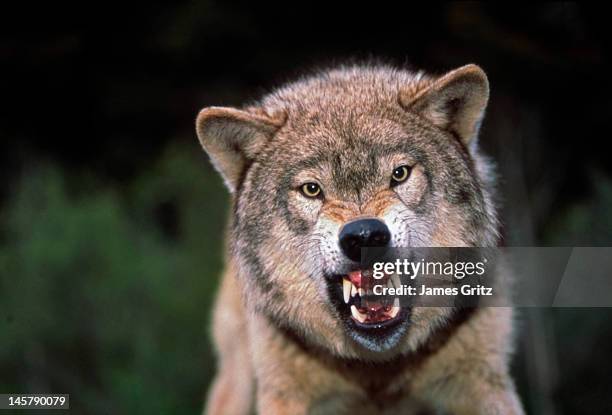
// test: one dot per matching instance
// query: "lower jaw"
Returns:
(377, 337)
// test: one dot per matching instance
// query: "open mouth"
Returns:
(377, 322)
(365, 308)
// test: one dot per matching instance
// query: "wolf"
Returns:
(352, 157)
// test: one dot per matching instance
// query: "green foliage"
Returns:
(588, 221)
(105, 294)
(106, 288)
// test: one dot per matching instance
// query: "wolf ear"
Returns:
(232, 138)
(454, 102)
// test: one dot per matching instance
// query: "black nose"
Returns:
(363, 233)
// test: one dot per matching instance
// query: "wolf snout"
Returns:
(363, 233)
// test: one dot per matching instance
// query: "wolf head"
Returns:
(348, 158)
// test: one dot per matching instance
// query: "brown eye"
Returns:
(400, 174)
(311, 190)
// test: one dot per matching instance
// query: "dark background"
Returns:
(111, 218)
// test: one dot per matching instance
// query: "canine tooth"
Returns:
(346, 290)
(353, 290)
(394, 311)
(389, 283)
(396, 280)
(360, 317)
(361, 292)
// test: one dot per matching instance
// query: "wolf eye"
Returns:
(400, 174)
(311, 190)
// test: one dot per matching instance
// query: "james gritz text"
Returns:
(408, 290)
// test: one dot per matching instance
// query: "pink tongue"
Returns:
(355, 278)
(360, 280)
(373, 309)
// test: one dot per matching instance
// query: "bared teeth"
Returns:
(396, 280)
(357, 315)
(346, 290)
(349, 290)
(395, 309)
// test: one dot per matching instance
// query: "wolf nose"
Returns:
(363, 233)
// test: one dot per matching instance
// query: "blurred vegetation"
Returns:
(105, 293)
(587, 221)
(563, 363)
(111, 220)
